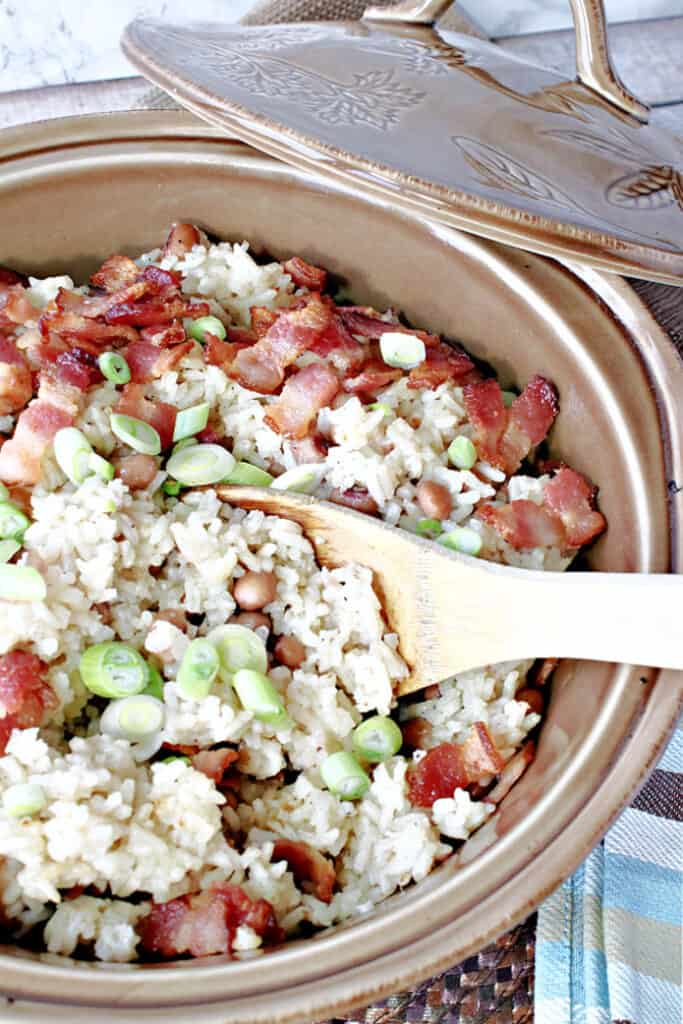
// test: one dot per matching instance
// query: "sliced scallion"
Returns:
(462, 539)
(377, 738)
(187, 442)
(176, 757)
(73, 451)
(204, 325)
(172, 488)
(23, 799)
(4, 493)
(13, 522)
(136, 433)
(462, 453)
(134, 718)
(344, 777)
(303, 479)
(114, 670)
(428, 527)
(8, 549)
(258, 695)
(251, 476)
(101, 467)
(201, 464)
(238, 648)
(155, 686)
(198, 669)
(191, 421)
(376, 406)
(114, 367)
(21, 583)
(404, 351)
(508, 398)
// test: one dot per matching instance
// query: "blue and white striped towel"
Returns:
(609, 940)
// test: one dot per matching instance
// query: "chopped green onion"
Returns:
(207, 325)
(462, 539)
(8, 549)
(21, 583)
(344, 777)
(114, 670)
(191, 421)
(176, 757)
(462, 452)
(136, 433)
(73, 451)
(133, 718)
(258, 695)
(251, 476)
(303, 479)
(508, 398)
(402, 350)
(425, 527)
(155, 686)
(172, 488)
(386, 409)
(114, 367)
(238, 648)
(4, 493)
(101, 467)
(23, 799)
(198, 669)
(377, 738)
(187, 442)
(202, 464)
(13, 522)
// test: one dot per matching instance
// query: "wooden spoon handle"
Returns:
(628, 617)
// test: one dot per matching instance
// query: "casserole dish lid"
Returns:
(444, 123)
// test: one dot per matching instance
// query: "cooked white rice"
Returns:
(159, 830)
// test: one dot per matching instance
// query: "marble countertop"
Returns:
(50, 42)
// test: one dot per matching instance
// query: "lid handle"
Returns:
(593, 62)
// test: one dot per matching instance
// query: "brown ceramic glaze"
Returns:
(448, 126)
(72, 192)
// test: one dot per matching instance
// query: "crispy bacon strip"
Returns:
(70, 328)
(373, 376)
(16, 383)
(487, 413)
(159, 415)
(338, 346)
(443, 363)
(25, 694)
(11, 277)
(417, 733)
(152, 312)
(214, 763)
(569, 496)
(219, 353)
(148, 362)
(115, 273)
(305, 275)
(15, 307)
(205, 923)
(303, 396)
(365, 322)
(164, 335)
(262, 319)
(453, 766)
(505, 437)
(181, 238)
(312, 448)
(524, 524)
(21, 457)
(261, 367)
(312, 871)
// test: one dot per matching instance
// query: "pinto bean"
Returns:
(252, 620)
(137, 471)
(254, 590)
(534, 698)
(290, 652)
(434, 499)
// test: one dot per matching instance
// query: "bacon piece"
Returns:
(312, 448)
(217, 352)
(181, 238)
(73, 328)
(534, 411)
(15, 307)
(417, 733)
(185, 749)
(261, 367)
(11, 277)
(374, 375)
(572, 498)
(148, 362)
(338, 346)
(262, 319)
(205, 923)
(77, 368)
(94, 306)
(487, 413)
(25, 694)
(16, 382)
(305, 275)
(442, 363)
(153, 312)
(356, 498)
(524, 524)
(512, 772)
(303, 396)
(164, 335)
(214, 763)
(115, 273)
(453, 766)
(159, 415)
(312, 871)
(21, 457)
(534, 698)
(480, 754)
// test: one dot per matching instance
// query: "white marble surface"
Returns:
(49, 42)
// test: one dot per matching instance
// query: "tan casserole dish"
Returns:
(73, 191)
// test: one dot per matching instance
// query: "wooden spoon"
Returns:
(453, 612)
